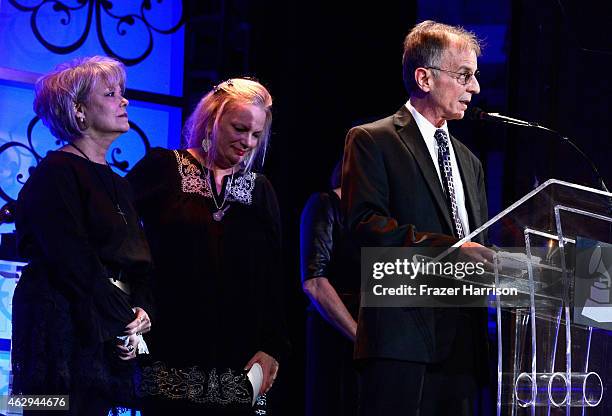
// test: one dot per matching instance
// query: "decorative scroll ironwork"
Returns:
(95, 8)
(122, 165)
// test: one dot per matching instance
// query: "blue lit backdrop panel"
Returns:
(8, 280)
(35, 36)
(148, 36)
(24, 139)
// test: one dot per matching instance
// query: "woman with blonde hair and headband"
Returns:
(214, 228)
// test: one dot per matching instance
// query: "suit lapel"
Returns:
(410, 135)
(469, 181)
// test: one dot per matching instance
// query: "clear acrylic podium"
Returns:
(547, 362)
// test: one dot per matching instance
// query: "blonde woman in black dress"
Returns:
(214, 228)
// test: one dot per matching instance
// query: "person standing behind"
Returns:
(408, 182)
(330, 278)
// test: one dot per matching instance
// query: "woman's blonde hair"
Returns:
(204, 121)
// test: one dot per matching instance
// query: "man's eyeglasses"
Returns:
(462, 77)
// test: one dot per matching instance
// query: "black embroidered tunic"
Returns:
(217, 284)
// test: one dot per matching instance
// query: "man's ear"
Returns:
(423, 79)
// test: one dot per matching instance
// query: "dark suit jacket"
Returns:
(391, 194)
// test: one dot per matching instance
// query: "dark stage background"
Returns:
(327, 70)
(333, 65)
(330, 68)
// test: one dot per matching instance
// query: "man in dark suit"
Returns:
(408, 182)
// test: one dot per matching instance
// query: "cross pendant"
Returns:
(120, 212)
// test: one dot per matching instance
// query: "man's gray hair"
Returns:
(426, 43)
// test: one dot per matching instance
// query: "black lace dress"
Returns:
(217, 284)
(66, 312)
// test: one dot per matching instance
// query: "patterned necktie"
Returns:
(446, 171)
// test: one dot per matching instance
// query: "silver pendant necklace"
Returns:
(220, 212)
(218, 215)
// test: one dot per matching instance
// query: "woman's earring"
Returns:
(82, 123)
(206, 144)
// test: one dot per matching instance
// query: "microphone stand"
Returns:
(514, 122)
(531, 124)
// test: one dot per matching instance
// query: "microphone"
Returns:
(475, 113)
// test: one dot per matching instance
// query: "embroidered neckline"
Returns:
(194, 180)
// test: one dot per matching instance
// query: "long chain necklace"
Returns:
(114, 200)
(220, 212)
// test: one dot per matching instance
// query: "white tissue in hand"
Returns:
(142, 345)
(255, 376)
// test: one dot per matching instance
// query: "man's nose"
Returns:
(473, 85)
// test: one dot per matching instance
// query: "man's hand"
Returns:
(477, 252)
(269, 366)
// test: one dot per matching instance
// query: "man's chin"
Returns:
(458, 115)
(455, 116)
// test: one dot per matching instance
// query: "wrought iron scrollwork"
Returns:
(122, 165)
(95, 10)
(19, 176)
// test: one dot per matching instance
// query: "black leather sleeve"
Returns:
(316, 237)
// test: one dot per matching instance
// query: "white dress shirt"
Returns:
(427, 131)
